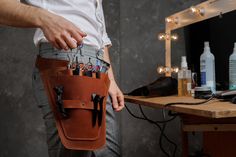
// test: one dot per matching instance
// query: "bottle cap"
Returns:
(184, 62)
(206, 43)
(207, 46)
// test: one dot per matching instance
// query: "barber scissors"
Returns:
(72, 57)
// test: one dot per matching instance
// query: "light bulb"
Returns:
(172, 20)
(169, 20)
(175, 69)
(193, 9)
(174, 37)
(167, 36)
(162, 36)
(161, 70)
(197, 11)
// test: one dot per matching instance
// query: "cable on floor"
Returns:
(161, 128)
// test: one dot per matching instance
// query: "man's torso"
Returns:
(86, 14)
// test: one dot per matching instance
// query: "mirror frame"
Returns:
(203, 11)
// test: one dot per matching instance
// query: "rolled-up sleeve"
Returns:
(106, 40)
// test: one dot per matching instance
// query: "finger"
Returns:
(83, 34)
(114, 102)
(69, 41)
(78, 38)
(62, 44)
(121, 103)
(119, 108)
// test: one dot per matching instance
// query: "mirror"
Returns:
(194, 14)
(221, 33)
(211, 21)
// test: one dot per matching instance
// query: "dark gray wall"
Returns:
(141, 53)
(133, 27)
(21, 126)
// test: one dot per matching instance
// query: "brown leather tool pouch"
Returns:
(78, 104)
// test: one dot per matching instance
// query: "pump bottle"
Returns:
(232, 70)
(184, 79)
(207, 68)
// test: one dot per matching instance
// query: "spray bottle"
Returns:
(184, 79)
(207, 68)
(232, 70)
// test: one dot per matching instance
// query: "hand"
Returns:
(116, 96)
(60, 32)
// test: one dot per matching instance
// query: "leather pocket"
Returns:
(78, 103)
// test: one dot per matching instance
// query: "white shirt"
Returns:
(86, 14)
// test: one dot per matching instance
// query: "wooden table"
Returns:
(216, 119)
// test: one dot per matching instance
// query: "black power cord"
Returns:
(157, 123)
(161, 129)
(164, 122)
(191, 103)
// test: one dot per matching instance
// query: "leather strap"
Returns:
(45, 63)
(77, 104)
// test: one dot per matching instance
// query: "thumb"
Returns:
(114, 101)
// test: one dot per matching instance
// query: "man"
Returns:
(62, 26)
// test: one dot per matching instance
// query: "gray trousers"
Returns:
(55, 147)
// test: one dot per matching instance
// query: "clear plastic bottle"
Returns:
(232, 70)
(207, 68)
(184, 79)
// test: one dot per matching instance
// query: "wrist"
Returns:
(41, 17)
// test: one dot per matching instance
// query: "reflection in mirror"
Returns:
(221, 33)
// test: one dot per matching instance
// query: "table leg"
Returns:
(184, 144)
